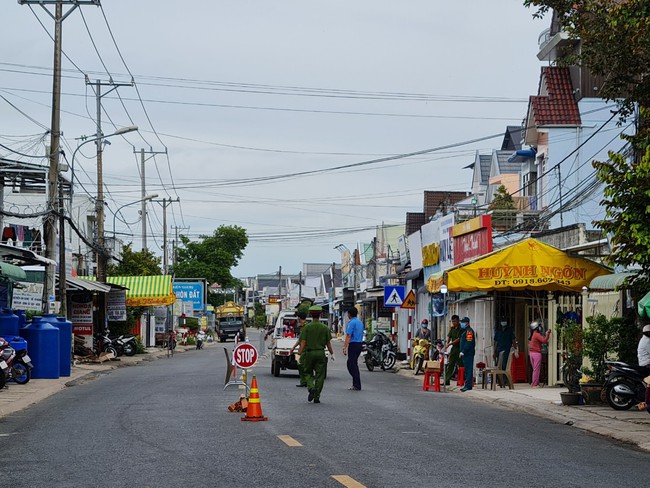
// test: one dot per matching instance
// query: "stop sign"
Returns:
(244, 355)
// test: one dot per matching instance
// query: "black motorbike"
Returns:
(380, 351)
(624, 386)
(102, 343)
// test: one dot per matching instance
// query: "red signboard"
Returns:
(472, 239)
(244, 355)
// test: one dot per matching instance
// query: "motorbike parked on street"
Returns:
(380, 351)
(624, 386)
(15, 364)
(127, 345)
(102, 343)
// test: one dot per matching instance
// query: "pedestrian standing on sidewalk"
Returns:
(536, 340)
(504, 340)
(315, 336)
(352, 347)
(302, 318)
(467, 351)
(453, 340)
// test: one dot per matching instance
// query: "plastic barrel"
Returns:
(22, 318)
(65, 339)
(17, 342)
(43, 340)
(8, 323)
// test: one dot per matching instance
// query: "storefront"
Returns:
(520, 283)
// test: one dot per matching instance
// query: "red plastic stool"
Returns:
(428, 374)
(460, 381)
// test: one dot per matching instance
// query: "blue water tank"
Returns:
(8, 323)
(22, 318)
(43, 340)
(65, 343)
(17, 342)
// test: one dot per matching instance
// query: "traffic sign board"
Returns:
(393, 296)
(409, 301)
(244, 355)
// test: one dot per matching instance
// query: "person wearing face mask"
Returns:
(467, 352)
(504, 340)
(536, 340)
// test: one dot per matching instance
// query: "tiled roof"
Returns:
(485, 161)
(414, 221)
(506, 167)
(436, 200)
(555, 105)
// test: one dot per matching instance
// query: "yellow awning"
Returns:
(527, 265)
(146, 291)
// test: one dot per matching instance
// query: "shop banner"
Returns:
(191, 291)
(472, 239)
(81, 315)
(527, 265)
(116, 306)
(28, 297)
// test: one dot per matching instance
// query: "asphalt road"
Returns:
(166, 424)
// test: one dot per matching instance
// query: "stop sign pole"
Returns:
(244, 355)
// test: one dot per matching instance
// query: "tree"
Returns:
(502, 199)
(140, 263)
(212, 257)
(615, 43)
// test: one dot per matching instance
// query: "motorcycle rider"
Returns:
(200, 338)
(423, 332)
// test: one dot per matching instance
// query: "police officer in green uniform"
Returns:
(314, 337)
(302, 316)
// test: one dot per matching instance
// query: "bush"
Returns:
(140, 349)
(604, 340)
(191, 340)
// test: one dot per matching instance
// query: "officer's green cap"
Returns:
(315, 308)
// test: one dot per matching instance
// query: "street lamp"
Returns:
(145, 199)
(62, 263)
(118, 132)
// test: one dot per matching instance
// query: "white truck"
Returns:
(285, 336)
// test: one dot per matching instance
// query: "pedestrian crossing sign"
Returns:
(409, 301)
(393, 296)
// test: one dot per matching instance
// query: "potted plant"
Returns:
(570, 336)
(604, 340)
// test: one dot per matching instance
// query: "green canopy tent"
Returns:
(643, 307)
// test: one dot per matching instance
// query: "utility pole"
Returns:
(299, 287)
(49, 224)
(165, 203)
(99, 206)
(280, 287)
(143, 190)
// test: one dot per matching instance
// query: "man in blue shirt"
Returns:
(352, 347)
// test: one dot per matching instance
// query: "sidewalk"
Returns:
(630, 426)
(16, 397)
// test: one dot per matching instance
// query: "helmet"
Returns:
(315, 308)
(646, 328)
(534, 325)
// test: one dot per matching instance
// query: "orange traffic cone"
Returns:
(254, 410)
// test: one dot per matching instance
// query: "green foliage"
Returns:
(135, 263)
(119, 328)
(607, 340)
(212, 257)
(615, 38)
(140, 349)
(570, 335)
(502, 200)
(259, 316)
(191, 341)
(626, 203)
(192, 323)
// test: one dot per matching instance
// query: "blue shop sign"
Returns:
(190, 292)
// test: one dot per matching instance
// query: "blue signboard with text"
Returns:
(191, 291)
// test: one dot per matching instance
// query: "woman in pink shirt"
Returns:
(536, 340)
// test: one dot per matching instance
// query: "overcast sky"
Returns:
(241, 92)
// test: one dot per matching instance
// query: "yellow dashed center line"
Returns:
(347, 481)
(289, 441)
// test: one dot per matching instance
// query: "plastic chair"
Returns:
(504, 376)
